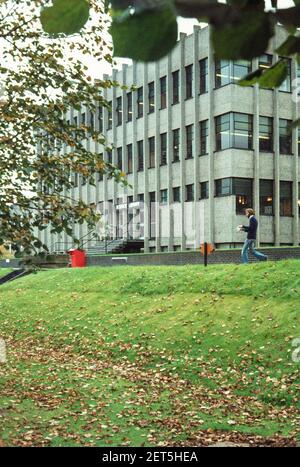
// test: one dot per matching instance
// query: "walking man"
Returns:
(251, 230)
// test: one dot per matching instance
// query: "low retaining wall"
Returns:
(10, 263)
(159, 259)
(47, 262)
(189, 257)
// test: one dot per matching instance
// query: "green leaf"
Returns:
(65, 16)
(251, 79)
(147, 36)
(245, 39)
(37, 244)
(270, 78)
(290, 46)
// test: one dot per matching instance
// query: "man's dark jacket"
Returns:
(251, 229)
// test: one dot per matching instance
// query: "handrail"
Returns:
(93, 235)
(87, 234)
(73, 244)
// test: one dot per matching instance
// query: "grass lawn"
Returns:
(169, 356)
(3, 271)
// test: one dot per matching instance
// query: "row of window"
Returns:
(233, 130)
(226, 72)
(203, 87)
(175, 141)
(241, 188)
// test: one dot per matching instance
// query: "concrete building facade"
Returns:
(197, 149)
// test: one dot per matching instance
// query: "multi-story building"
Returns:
(198, 149)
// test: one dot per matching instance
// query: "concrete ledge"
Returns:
(192, 257)
(10, 263)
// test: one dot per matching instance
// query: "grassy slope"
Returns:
(150, 355)
(3, 271)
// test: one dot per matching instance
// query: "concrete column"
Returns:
(79, 188)
(105, 124)
(146, 162)
(182, 137)
(196, 142)
(114, 153)
(170, 154)
(124, 117)
(211, 143)
(74, 190)
(99, 195)
(276, 160)
(256, 154)
(124, 144)
(134, 134)
(296, 158)
(66, 192)
(97, 151)
(157, 158)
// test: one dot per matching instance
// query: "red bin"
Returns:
(78, 258)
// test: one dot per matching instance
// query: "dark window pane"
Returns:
(163, 196)
(285, 136)
(265, 61)
(234, 130)
(151, 97)
(240, 68)
(242, 188)
(119, 157)
(242, 131)
(189, 189)
(176, 194)
(109, 156)
(152, 199)
(189, 81)
(203, 69)
(223, 187)
(266, 197)
(140, 102)
(175, 84)
(204, 137)
(129, 158)
(140, 150)
(176, 140)
(230, 72)
(129, 107)
(222, 70)
(119, 111)
(286, 199)
(92, 121)
(163, 92)
(189, 141)
(151, 152)
(204, 193)
(266, 134)
(223, 132)
(163, 149)
(109, 116)
(100, 118)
